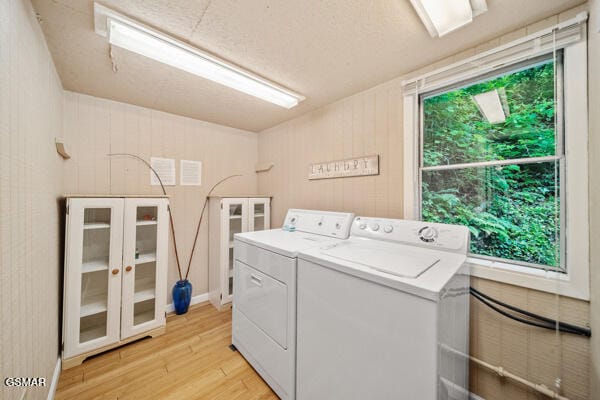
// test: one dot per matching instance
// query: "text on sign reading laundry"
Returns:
(358, 166)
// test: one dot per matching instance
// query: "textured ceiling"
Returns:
(323, 49)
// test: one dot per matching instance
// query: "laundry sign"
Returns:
(359, 166)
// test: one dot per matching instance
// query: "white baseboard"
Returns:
(55, 377)
(201, 298)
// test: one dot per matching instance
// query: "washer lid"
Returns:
(385, 257)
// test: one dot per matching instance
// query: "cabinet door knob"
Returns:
(128, 268)
(115, 271)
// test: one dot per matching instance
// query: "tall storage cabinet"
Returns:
(228, 216)
(116, 260)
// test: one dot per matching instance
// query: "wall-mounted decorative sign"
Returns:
(359, 166)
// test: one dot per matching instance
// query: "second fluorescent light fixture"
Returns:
(441, 17)
(128, 34)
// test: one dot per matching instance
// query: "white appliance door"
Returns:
(360, 340)
(264, 301)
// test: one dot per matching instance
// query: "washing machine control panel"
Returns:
(327, 223)
(441, 236)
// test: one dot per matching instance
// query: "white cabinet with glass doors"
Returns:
(115, 280)
(228, 216)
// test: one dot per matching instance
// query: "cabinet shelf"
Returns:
(147, 316)
(96, 225)
(259, 215)
(93, 305)
(146, 258)
(143, 295)
(96, 332)
(143, 222)
(94, 265)
(235, 217)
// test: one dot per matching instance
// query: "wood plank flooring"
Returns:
(191, 361)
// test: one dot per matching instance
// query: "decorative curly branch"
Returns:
(171, 223)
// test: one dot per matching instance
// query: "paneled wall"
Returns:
(364, 124)
(30, 185)
(371, 123)
(96, 127)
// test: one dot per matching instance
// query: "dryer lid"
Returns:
(399, 260)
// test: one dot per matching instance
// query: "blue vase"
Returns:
(182, 295)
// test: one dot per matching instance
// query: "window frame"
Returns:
(575, 282)
(560, 155)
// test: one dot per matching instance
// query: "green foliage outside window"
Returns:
(511, 210)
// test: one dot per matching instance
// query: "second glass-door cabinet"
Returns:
(116, 262)
(228, 216)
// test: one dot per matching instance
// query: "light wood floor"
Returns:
(191, 361)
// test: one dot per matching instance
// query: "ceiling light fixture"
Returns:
(444, 16)
(493, 105)
(128, 34)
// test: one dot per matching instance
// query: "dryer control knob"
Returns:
(388, 229)
(363, 226)
(375, 227)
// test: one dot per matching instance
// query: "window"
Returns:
(498, 142)
(492, 159)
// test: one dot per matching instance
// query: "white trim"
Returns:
(55, 377)
(495, 163)
(531, 278)
(411, 131)
(201, 298)
(576, 282)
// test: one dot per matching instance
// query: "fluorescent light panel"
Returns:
(491, 106)
(133, 36)
(441, 17)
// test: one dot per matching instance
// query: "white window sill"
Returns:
(568, 285)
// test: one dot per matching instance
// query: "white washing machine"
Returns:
(264, 293)
(384, 314)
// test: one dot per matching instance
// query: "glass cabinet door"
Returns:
(144, 260)
(235, 214)
(259, 214)
(93, 282)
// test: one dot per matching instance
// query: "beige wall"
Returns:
(30, 184)
(594, 106)
(371, 123)
(94, 127)
(367, 123)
